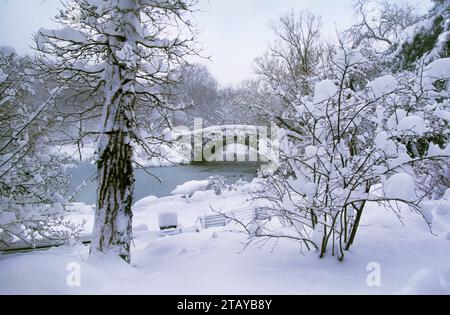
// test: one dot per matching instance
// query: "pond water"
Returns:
(146, 185)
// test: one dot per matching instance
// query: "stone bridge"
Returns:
(228, 143)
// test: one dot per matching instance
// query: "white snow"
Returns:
(437, 70)
(400, 186)
(411, 259)
(383, 85)
(238, 152)
(383, 143)
(7, 217)
(309, 189)
(435, 150)
(413, 124)
(424, 281)
(189, 188)
(312, 151)
(348, 58)
(324, 90)
(443, 114)
(167, 219)
(67, 34)
(167, 156)
(144, 202)
(86, 151)
(395, 118)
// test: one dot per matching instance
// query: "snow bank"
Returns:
(143, 203)
(48, 272)
(411, 259)
(190, 187)
(424, 281)
(186, 263)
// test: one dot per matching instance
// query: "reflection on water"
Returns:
(146, 184)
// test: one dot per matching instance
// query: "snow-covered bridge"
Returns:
(242, 143)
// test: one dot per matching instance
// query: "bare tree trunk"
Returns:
(112, 228)
(113, 220)
(354, 229)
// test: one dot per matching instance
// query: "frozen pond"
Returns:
(146, 185)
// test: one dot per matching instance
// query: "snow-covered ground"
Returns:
(213, 261)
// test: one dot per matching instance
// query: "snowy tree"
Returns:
(33, 187)
(257, 103)
(426, 40)
(380, 23)
(289, 67)
(124, 53)
(201, 97)
(345, 147)
(198, 92)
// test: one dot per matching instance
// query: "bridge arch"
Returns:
(242, 143)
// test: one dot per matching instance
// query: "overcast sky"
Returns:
(234, 32)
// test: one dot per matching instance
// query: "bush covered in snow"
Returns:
(364, 134)
(217, 183)
(33, 187)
